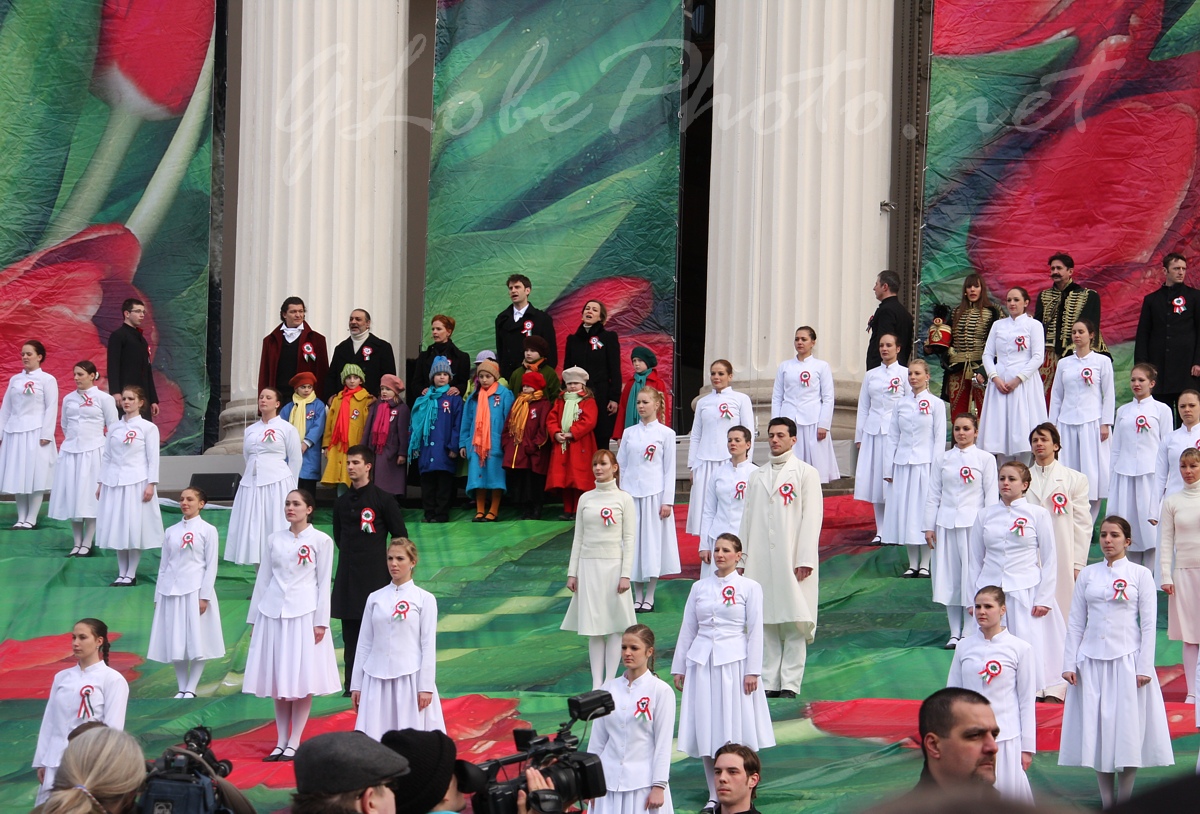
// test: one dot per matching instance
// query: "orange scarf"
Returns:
(481, 441)
(519, 415)
(340, 438)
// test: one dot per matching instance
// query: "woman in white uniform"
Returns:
(634, 740)
(718, 662)
(803, 392)
(916, 443)
(716, 413)
(1083, 407)
(27, 419)
(882, 389)
(87, 414)
(1000, 666)
(1167, 478)
(1015, 401)
(646, 458)
(1012, 546)
(1140, 427)
(963, 486)
(274, 456)
(395, 666)
(1114, 720)
(186, 630)
(598, 573)
(1180, 553)
(89, 691)
(726, 499)
(128, 519)
(291, 655)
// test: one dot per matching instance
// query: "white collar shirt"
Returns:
(725, 502)
(1113, 613)
(960, 488)
(1083, 390)
(716, 414)
(294, 577)
(30, 403)
(79, 695)
(646, 459)
(86, 416)
(803, 392)
(722, 622)
(1013, 547)
(917, 434)
(399, 636)
(634, 740)
(130, 453)
(189, 560)
(882, 389)
(1140, 428)
(273, 453)
(1003, 670)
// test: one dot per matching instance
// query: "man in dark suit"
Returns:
(363, 348)
(521, 320)
(293, 347)
(1168, 333)
(129, 357)
(891, 317)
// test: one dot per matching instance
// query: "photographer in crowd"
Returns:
(346, 772)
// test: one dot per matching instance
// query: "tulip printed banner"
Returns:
(1062, 125)
(555, 154)
(105, 170)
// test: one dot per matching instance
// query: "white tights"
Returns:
(604, 653)
(956, 614)
(1124, 786)
(291, 716)
(127, 562)
(644, 591)
(187, 674)
(878, 508)
(919, 556)
(83, 531)
(28, 507)
(1190, 654)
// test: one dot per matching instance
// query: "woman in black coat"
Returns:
(442, 328)
(598, 351)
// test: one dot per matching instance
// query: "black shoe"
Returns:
(535, 514)
(772, 693)
(429, 518)
(345, 694)
(274, 757)
(289, 754)
(787, 694)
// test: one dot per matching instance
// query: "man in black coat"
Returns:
(365, 519)
(891, 317)
(521, 320)
(129, 357)
(363, 348)
(1168, 333)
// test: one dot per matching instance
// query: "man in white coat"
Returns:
(781, 527)
(1064, 493)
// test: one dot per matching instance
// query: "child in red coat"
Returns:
(644, 375)
(526, 453)
(572, 442)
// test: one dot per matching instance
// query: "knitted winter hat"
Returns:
(646, 355)
(490, 367)
(352, 370)
(440, 365)
(538, 344)
(432, 759)
(533, 379)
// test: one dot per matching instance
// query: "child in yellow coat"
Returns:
(345, 425)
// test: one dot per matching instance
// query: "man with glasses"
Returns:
(129, 357)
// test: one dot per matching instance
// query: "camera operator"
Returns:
(102, 768)
(346, 772)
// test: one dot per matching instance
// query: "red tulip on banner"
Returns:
(962, 27)
(28, 667)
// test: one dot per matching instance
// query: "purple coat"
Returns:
(390, 476)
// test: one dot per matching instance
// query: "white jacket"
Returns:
(1137, 434)
(716, 414)
(882, 389)
(85, 418)
(189, 560)
(722, 620)
(294, 577)
(634, 740)
(955, 499)
(646, 458)
(1083, 390)
(30, 403)
(917, 434)
(398, 637)
(130, 453)
(273, 453)
(803, 392)
(77, 695)
(1113, 613)
(998, 555)
(1015, 347)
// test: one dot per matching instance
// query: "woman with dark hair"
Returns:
(1167, 479)
(27, 419)
(442, 329)
(803, 392)
(87, 414)
(717, 412)
(89, 691)
(598, 351)
(1015, 402)
(964, 381)
(1083, 407)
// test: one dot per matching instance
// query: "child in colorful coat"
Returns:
(306, 413)
(644, 375)
(345, 425)
(388, 428)
(436, 417)
(536, 362)
(483, 422)
(526, 453)
(573, 443)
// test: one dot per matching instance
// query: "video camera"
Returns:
(189, 780)
(574, 775)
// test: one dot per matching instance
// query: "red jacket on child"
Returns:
(534, 450)
(572, 469)
(653, 380)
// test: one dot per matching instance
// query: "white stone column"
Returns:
(320, 179)
(801, 162)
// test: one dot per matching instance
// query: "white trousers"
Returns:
(785, 651)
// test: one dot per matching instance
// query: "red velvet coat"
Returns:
(272, 346)
(572, 469)
(653, 380)
(534, 450)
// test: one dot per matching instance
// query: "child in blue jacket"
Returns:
(480, 444)
(434, 442)
(306, 413)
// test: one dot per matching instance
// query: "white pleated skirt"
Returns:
(1130, 496)
(596, 608)
(951, 577)
(180, 632)
(656, 548)
(868, 471)
(73, 493)
(904, 514)
(630, 802)
(1046, 635)
(1007, 418)
(1083, 451)
(26, 466)
(1183, 606)
(257, 514)
(817, 453)
(125, 522)
(701, 475)
(1110, 723)
(1011, 780)
(285, 662)
(391, 703)
(716, 710)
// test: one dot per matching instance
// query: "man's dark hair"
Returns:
(1051, 430)
(782, 421)
(891, 279)
(127, 306)
(518, 278)
(1171, 258)
(1063, 258)
(937, 711)
(363, 451)
(288, 303)
(750, 761)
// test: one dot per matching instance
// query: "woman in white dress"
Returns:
(598, 573)
(803, 392)
(1180, 561)
(1167, 478)
(1012, 546)
(634, 741)
(1082, 406)
(1114, 720)
(718, 661)
(27, 419)
(87, 414)
(716, 413)
(274, 456)
(882, 389)
(1140, 427)
(1000, 666)
(726, 499)
(186, 630)
(916, 442)
(89, 691)
(128, 519)
(395, 666)
(1015, 401)
(963, 486)
(646, 458)
(291, 656)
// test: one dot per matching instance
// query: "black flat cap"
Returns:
(338, 762)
